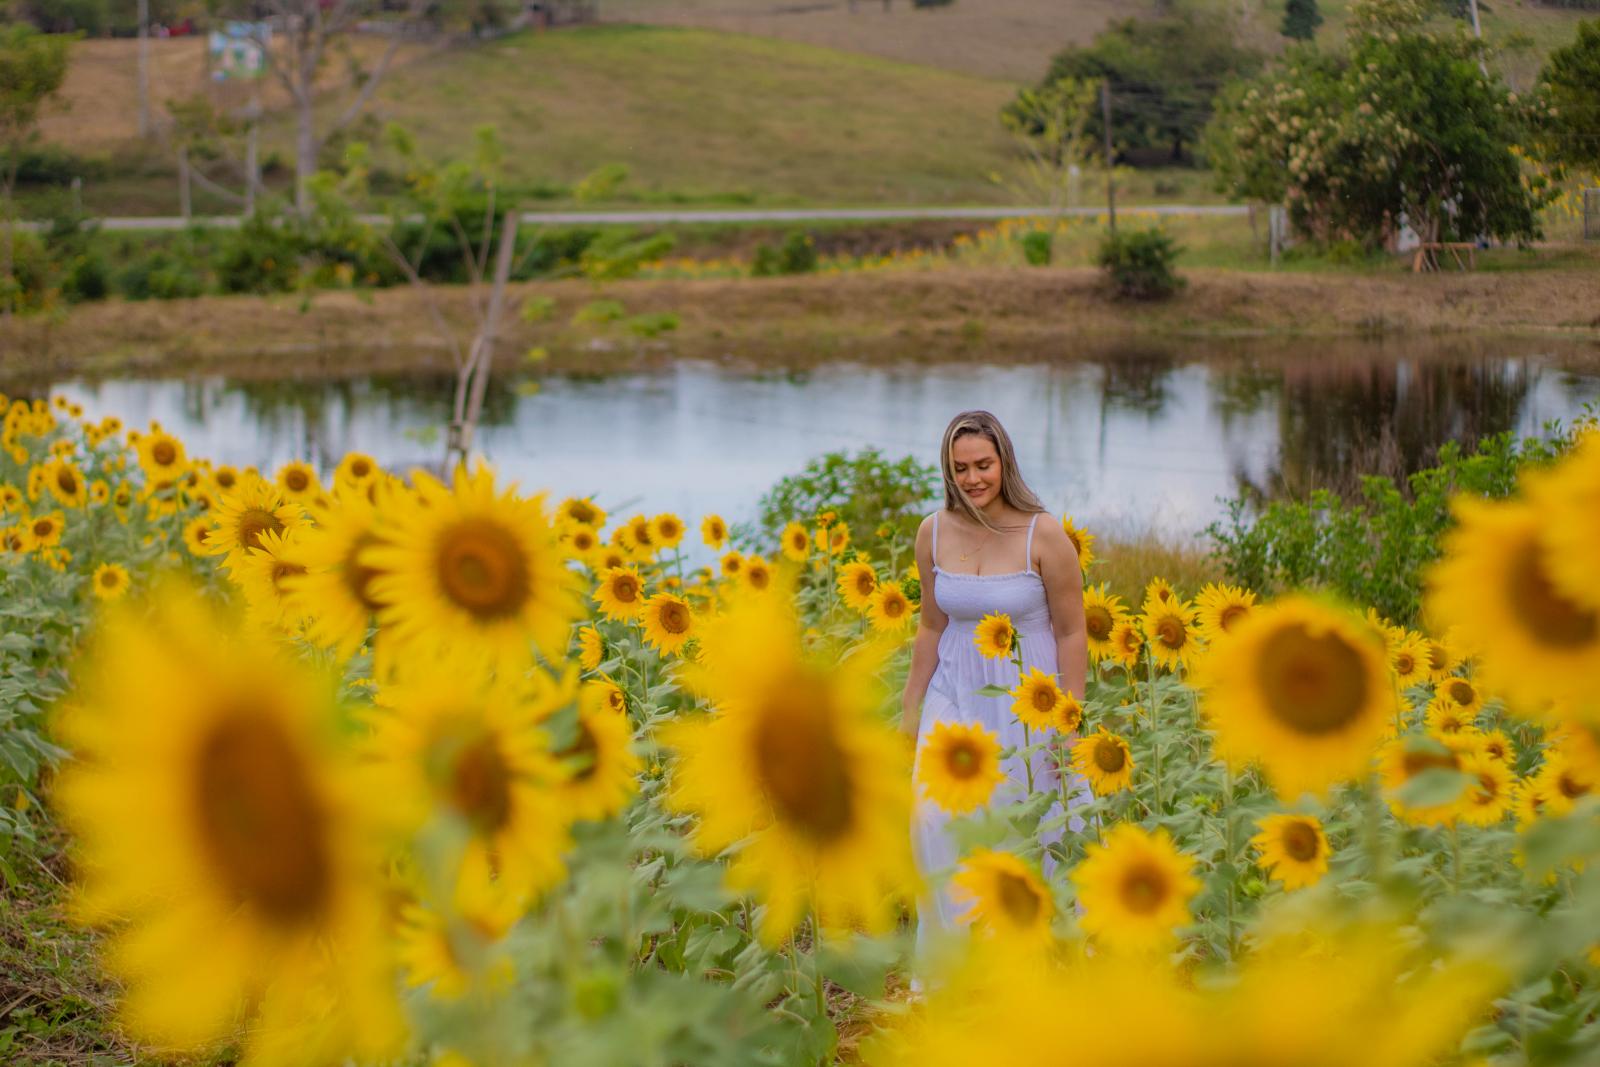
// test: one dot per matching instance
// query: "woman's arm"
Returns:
(925, 653)
(1063, 589)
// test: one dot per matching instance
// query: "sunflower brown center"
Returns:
(962, 761)
(1548, 615)
(1171, 632)
(360, 468)
(894, 606)
(668, 529)
(282, 570)
(1461, 692)
(1572, 787)
(1414, 763)
(67, 481)
(110, 579)
(801, 765)
(358, 576)
(1488, 790)
(296, 480)
(580, 511)
(625, 588)
(1019, 900)
(225, 479)
(1044, 698)
(1300, 842)
(1097, 622)
(43, 528)
(1438, 656)
(1231, 615)
(165, 453)
(482, 568)
(1109, 756)
(584, 753)
(1404, 663)
(253, 522)
(641, 533)
(1312, 683)
(583, 540)
(759, 577)
(1144, 888)
(480, 785)
(865, 582)
(261, 824)
(674, 618)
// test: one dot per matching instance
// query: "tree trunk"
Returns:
(185, 199)
(473, 383)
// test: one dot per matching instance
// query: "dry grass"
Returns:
(1125, 562)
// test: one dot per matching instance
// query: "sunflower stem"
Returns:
(1227, 837)
(1376, 860)
(1455, 859)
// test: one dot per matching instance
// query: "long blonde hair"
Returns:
(1013, 490)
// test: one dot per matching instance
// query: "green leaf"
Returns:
(1433, 787)
(994, 691)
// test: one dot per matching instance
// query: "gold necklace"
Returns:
(975, 551)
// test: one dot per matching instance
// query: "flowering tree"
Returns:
(1403, 126)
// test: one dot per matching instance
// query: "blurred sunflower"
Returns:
(959, 766)
(1101, 613)
(470, 572)
(161, 455)
(1303, 689)
(889, 609)
(335, 589)
(642, 535)
(666, 530)
(1004, 896)
(1068, 716)
(796, 764)
(795, 541)
(582, 510)
(109, 581)
(857, 581)
(1443, 716)
(1402, 760)
(620, 593)
(356, 469)
(1562, 782)
(45, 530)
(591, 649)
(609, 558)
(1536, 646)
(100, 492)
(457, 949)
(1293, 848)
(1105, 760)
(1159, 590)
(298, 481)
(1408, 658)
(995, 636)
(757, 573)
(1166, 623)
(1488, 800)
(1443, 658)
(1127, 642)
(1219, 608)
(1496, 745)
(222, 843)
(1134, 888)
(1568, 496)
(242, 516)
(1082, 542)
(834, 539)
(602, 769)
(1037, 700)
(713, 531)
(65, 482)
(581, 540)
(731, 564)
(668, 622)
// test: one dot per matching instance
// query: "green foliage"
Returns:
(1373, 549)
(1140, 264)
(599, 313)
(1162, 72)
(880, 500)
(32, 68)
(1037, 246)
(1569, 90)
(797, 255)
(1300, 20)
(619, 254)
(1403, 123)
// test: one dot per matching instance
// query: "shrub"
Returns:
(1037, 246)
(161, 274)
(1140, 264)
(261, 256)
(797, 255)
(866, 490)
(1371, 550)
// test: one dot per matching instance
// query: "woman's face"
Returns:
(976, 465)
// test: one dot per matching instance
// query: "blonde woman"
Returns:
(993, 548)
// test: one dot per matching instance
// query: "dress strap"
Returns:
(935, 538)
(1027, 557)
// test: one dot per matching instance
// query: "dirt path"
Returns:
(797, 321)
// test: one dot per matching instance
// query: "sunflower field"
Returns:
(366, 768)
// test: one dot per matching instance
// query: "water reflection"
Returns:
(1145, 435)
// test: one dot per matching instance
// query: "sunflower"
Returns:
(335, 590)
(1568, 495)
(1105, 760)
(1004, 895)
(757, 573)
(833, 538)
(66, 484)
(1134, 888)
(667, 530)
(1535, 645)
(731, 564)
(456, 950)
(713, 531)
(45, 530)
(796, 764)
(1037, 701)
(602, 769)
(857, 582)
(222, 843)
(580, 539)
(16, 539)
(668, 622)
(267, 574)
(1403, 759)
(1562, 782)
(1443, 658)
(591, 649)
(620, 593)
(1166, 623)
(477, 757)
(1461, 694)
(581, 509)
(1496, 745)
(109, 581)
(605, 559)
(1082, 542)
(1101, 613)
(1487, 801)
(1303, 689)
(1293, 848)
(161, 455)
(889, 608)
(1127, 642)
(795, 542)
(1160, 590)
(641, 534)
(959, 766)
(1408, 658)
(995, 636)
(356, 469)
(241, 517)
(470, 571)
(1220, 608)
(298, 481)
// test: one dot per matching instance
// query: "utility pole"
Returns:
(1111, 183)
(1477, 31)
(144, 68)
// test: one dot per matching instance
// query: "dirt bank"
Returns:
(799, 320)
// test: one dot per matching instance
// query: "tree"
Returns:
(1163, 73)
(32, 67)
(1403, 126)
(1049, 125)
(1569, 102)
(1301, 19)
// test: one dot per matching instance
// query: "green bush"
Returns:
(261, 256)
(866, 490)
(1371, 550)
(1140, 264)
(797, 255)
(1037, 246)
(161, 274)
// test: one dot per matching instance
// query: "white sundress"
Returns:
(953, 698)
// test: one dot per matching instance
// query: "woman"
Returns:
(987, 551)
